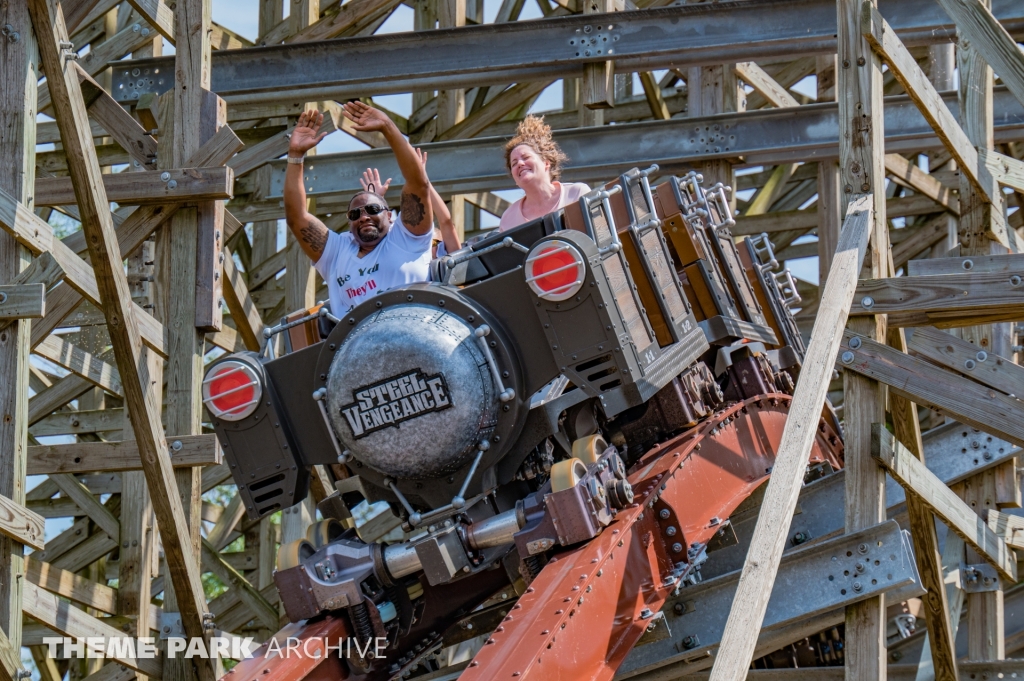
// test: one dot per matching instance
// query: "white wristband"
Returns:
(297, 161)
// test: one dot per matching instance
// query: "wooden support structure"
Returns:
(109, 358)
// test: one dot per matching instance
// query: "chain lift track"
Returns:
(686, 489)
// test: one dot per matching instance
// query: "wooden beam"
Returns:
(68, 620)
(757, 78)
(941, 635)
(236, 294)
(56, 396)
(114, 48)
(158, 15)
(21, 524)
(1006, 170)
(22, 301)
(494, 110)
(82, 457)
(784, 221)
(1006, 263)
(987, 36)
(81, 363)
(182, 185)
(123, 322)
(1009, 528)
(69, 585)
(886, 43)
(264, 611)
(916, 301)
(916, 479)
(934, 387)
(125, 130)
(762, 561)
(655, 100)
(968, 359)
(91, 507)
(909, 175)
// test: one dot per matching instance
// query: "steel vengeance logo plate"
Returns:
(395, 400)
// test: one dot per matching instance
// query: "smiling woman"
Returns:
(535, 161)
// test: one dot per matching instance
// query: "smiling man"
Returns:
(377, 254)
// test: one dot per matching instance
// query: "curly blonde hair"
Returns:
(536, 134)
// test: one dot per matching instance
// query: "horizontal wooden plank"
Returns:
(916, 479)
(1006, 170)
(80, 422)
(21, 524)
(925, 384)
(911, 301)
(81, 457)
(181, 185)
(68, 620)
(968, 359)
(1010, 262)
(25, 301)
(72, 586)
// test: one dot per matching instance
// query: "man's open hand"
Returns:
(371, 177)
(366, 118)
(306, 134)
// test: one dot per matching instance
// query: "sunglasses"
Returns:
(370, 208)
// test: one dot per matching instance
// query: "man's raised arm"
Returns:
(417, 214)
(308, 230)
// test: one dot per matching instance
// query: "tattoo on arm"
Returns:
(314, 235)
(412, 209)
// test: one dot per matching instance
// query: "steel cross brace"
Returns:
(589, 606)
(812, 581)
(768, 136)
(668, 37)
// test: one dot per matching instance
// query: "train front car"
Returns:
(480, 408)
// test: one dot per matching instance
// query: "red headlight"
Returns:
(555, 270)
(232, 390)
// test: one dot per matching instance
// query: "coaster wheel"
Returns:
(589, 449)
(292, 554)
(567, 474)
(322, 533)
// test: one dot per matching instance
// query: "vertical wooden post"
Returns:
(597, 86)
(299, 275)
(830, 198)
(135, 555)
(979, 223)
(19, 71)
(862, 171)
(424, 19)
(184, 342)
(941, 68)
(712, 90)
(264, 233)
(451, 104)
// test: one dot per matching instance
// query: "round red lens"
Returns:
(562, 267)
(232, 389)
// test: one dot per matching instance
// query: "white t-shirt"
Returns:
(400, 258)
(571, 192)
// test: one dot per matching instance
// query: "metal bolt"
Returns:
(176, 445)
(664, 514)
(981, 356)
(677, 547)
(867, 301)
(969, 365)
(1015, 280)
(172, 184)
(967, 264)
(855, 342)
(691, 642)
(863, 548)
(164, 176)
(847, 357)
(857, 587)
(670, 531)
(800, 538)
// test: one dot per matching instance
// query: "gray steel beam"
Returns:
(954, 452)
(676, 37)
(813, 581)
(767, 136)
